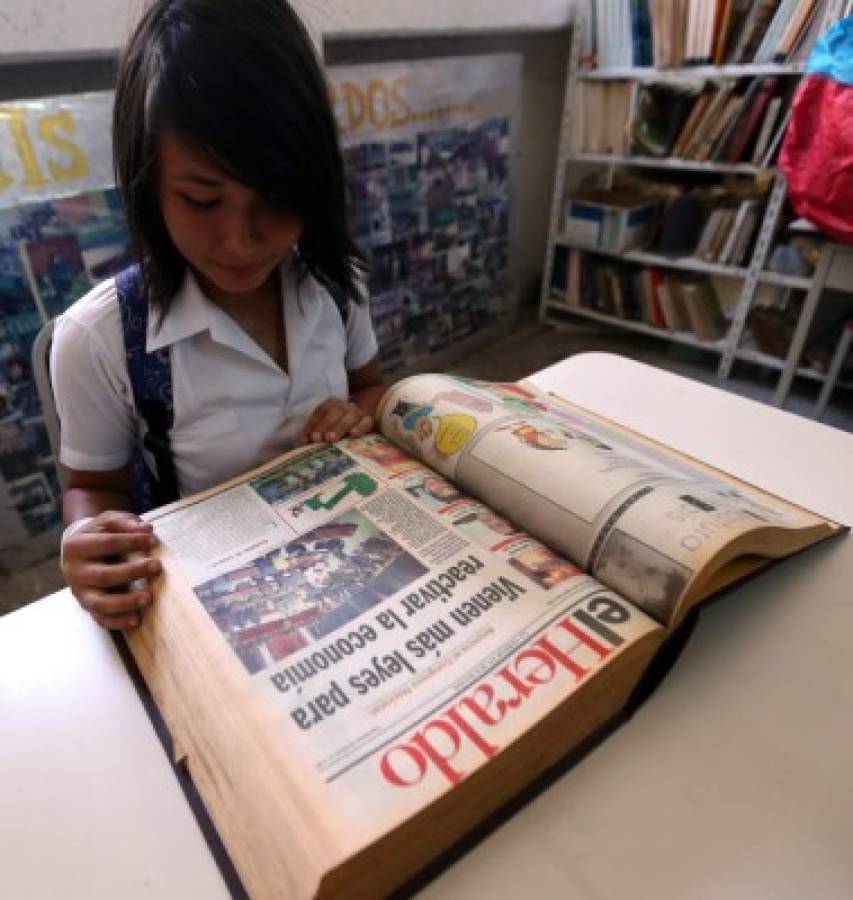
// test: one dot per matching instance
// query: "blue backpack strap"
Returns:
(151, 381)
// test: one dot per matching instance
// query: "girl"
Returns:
(243, 331)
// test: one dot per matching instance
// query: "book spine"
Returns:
(602, 34)
(723, 30)
(796, 27)
(751, 120)
(766, 51)
(679, 31)
(770, 117)
(654, 278)
(739, 49)
(728, 248)
(626, 34)
(573, 277)
(718, 129)
(777, 140)
(642, 33)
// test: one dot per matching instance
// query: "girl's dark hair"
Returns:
(240, 81)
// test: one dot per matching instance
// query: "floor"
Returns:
(532, 347)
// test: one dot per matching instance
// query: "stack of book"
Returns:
(644, 295)
(673, 33)
(728, 233)
(714, 223)
(725, 121)
(603, 116)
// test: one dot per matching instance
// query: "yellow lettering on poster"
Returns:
(356, 108)
(77, 165)
(17, 124)
(377, 89)
(401, 112)
(382, 104)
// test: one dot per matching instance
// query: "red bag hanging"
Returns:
(817, 153)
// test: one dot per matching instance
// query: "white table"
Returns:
(734, 780)
(89, 804)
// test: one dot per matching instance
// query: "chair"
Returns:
(41, 374)
(835, 368)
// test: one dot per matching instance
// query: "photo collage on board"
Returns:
(431, 214)
(51, 253)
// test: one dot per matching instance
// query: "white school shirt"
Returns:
(234, 406)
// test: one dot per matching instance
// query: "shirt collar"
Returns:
(189, 313)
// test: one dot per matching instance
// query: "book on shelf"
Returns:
(723, 25)
(728, 233)
(737, 250)
(756, 22)
(641, 33)
(674, 316)
(703, 100)
(676, 33)
(714, 234)
(686, 218)
(614, 32)
(762, 141)
(682, 303)
(681, 225)
(824, 16)
(604, 110)
(709, 147)
(756, 100)
(362, 650)
(717, 121)
(702, 308)
(776, 140)
(656, 282)
(732, 134)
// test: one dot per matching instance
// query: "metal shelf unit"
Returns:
(552, 308)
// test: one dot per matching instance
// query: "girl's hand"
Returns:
(96, 567)
(334, 419)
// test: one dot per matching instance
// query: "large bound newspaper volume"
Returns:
(362, 650)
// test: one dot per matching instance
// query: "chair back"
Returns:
(41, 374)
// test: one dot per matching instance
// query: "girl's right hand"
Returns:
(96, 567)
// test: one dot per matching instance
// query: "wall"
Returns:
(56, 27)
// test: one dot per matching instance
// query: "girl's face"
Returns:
(233, 240)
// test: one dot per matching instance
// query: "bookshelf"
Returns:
(648, 73)
(748, 277)
(686, 165)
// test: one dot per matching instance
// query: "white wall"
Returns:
(56, 27)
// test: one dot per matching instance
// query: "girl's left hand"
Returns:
(334, 419)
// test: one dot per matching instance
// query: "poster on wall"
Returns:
(61, 231)
(51, 253)
(428, 150)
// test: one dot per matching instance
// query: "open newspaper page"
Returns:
(639, 520)
(399, 632)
